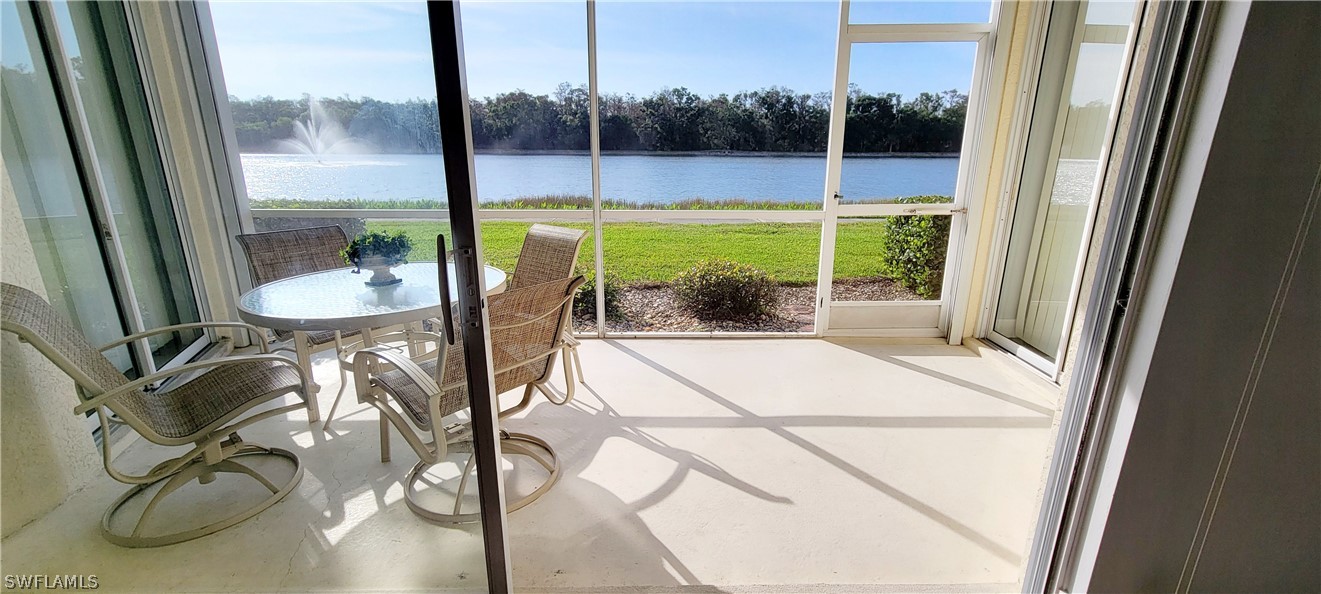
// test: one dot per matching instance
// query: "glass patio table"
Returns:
(339, 300)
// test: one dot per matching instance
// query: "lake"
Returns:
(640, 178)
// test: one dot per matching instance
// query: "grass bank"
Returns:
(656, 252)
(651, 252)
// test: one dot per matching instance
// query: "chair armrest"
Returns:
(363, 359)
(105, 398)
(257, 333)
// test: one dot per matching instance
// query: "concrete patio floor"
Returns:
(704, 465)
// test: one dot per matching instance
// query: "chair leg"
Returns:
(303, 351)
(343, 379)
(571, 350)
(197, 470)
(335, 405)
(577, 363)
(463, 483)
(516, 444)
(385, 437)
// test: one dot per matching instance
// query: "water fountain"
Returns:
(321, 135)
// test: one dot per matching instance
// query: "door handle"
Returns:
(442, 271)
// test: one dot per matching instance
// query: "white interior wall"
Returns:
(46, 451)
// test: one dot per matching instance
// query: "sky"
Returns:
(382, 49)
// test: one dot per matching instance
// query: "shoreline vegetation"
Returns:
(559, 202)
(626, 153)
(773, 119)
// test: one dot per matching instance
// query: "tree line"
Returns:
(672, 119)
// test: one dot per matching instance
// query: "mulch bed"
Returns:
(655, 309)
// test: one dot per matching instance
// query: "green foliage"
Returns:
(584, 303)
(722, 289)
(913, 248)
(770, 119)
(392, 247)
(649, 253)
(546, 202)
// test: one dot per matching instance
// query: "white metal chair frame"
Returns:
(432, 443)
(215, 445)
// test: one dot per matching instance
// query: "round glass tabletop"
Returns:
(338, 299)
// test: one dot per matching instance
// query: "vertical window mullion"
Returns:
(594, 136)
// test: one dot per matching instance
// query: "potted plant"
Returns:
(378, 252)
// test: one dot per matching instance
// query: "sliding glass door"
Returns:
(96, 42)
(94, 195)
(1067, 144)
(49, 191)
(356, 114)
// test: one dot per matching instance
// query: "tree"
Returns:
(672, 119)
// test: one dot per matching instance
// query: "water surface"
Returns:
(640, 178)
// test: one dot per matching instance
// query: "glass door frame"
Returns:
(78, 129)
(1015, 184)
(446, 25)
(892, 317)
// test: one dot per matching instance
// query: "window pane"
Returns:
(527, 84)
(96, 41)
(898, 258)
(702, 108)
(1060, 178)
(891, 12)
(646, 258)
(906, 118)
(50, 196)
(333, 104)
(714, 106)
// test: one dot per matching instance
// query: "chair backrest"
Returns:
(281, 254)
(26, 314)
(549, 253)
(527, 331)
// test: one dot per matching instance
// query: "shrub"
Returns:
(913, 249)
(724, 290)
(584, 303)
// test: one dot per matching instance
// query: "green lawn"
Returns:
(656, 252)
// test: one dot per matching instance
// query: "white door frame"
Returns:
(934, 318)
(1052, 364)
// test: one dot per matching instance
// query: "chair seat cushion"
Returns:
(414, 400)
(191, 407)
(316, 337)
(321, 337)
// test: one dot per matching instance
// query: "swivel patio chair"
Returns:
(550, 253)
(206, 412)
(528, 326)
